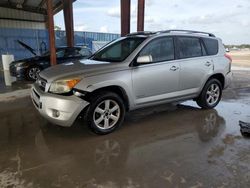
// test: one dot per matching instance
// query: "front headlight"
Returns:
(19, 64)
(63, 86)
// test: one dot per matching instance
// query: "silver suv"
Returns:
(139, 70)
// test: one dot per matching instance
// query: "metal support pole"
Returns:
(51, 33)
(140, 15)
(69, 21)
(125, 17)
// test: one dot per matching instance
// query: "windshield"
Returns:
(59, 53)
(118, 51)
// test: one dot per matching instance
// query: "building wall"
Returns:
(10, 18)
(30, 28)
(32, 37)
(38, 39)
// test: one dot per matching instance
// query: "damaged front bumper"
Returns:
(57, 109)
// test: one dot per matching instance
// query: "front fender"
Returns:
(121, 79)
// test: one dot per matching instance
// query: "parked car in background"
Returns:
(136, 71)
(30, 67)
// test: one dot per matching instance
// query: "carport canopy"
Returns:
(44, 10)
(34, 6)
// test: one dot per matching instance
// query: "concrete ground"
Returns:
(241, 58)
(165, 146)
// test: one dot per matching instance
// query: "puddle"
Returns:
(164, 146)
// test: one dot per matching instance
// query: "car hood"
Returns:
(81, 68)
(31, 50)
(27, 60)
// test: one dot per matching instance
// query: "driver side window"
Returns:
(161, 49)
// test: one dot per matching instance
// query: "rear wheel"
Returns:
(210, 95)
(105, 112)
(32, 73)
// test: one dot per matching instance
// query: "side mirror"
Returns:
(144, 59)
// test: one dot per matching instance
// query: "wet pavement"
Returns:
(165, 146)
(12, 83)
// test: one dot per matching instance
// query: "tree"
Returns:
(57, 28)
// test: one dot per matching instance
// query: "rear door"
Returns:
(194, 64)
(156, 80)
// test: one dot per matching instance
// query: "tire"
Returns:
(100, 117)
(32, 72)
(210, 95)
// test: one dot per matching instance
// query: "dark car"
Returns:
(28, 68)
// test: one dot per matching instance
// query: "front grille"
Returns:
(12, 70)
(37, 95)
(41, 82)
(35, 103)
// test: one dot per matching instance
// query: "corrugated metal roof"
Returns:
(35, 6)
(19, 14)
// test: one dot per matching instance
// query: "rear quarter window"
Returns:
(211, 46)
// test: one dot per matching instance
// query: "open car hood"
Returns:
(31, 50)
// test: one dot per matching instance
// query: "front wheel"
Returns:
(210, 95)
(105, 113)
(32, 73)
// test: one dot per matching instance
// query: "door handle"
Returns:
(174, 68)
(207, 63)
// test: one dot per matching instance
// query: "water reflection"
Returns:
(75, 157)
(210, 126)
(107, 151)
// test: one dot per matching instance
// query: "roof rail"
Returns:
(141, 33)
(187, 31)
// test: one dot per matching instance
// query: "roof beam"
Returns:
(20, 19)
(68, 21)
(125, 16)
(51, 32)
(58, 7)
(41, 4)
(140, 15)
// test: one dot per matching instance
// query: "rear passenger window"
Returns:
(189, 47)
(161, 49)
(211, 46)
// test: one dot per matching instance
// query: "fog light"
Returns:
(55, 113)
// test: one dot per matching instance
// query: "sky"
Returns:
(227, 19)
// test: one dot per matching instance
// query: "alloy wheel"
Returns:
(33, 72)
(106, 114)
(213, 94)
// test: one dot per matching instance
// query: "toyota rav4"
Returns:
(138, 70)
